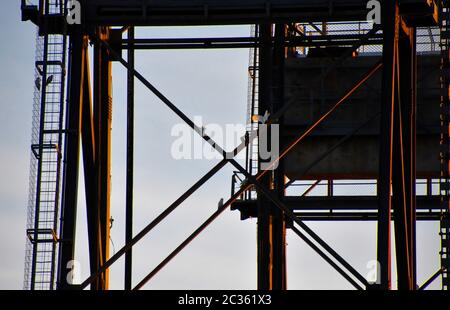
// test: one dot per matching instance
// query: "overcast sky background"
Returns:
(211, 84)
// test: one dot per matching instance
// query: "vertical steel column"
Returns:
(397, 176)
(413, 164)
(390, 29)
(444, 187)
(404, 142)
(71, 162)
(130, 155)
(102, 124)
(271, 223)
(278, 227)
(89, 151)
(264, 205)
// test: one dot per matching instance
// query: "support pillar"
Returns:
(130, 155)
(271, 224)
(397, 171)
(404, 176)
(103, 126)
(89, 152)
(71, 163)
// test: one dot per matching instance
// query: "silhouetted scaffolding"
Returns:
(351, 97)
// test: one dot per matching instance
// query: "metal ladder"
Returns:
(252, 155)
(252, 108)
(444, 231)
(45, 165)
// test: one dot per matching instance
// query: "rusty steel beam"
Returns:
(271, 227)
(102, 124)
(264, 242)
(404, 171)
(89, 151)
(397, 174)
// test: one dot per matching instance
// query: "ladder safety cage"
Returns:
(46, 145)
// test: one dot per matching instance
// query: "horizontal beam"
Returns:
(426, 131)
(247, 42)
(341, 208)
(357, 216)
(223, 12)
(218, 12)
(361, 203)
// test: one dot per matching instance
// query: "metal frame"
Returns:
(89, 122)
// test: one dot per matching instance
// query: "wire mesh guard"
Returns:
(45, 162)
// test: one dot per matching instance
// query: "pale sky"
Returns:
(211, 84)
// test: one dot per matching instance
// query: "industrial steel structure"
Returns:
(358, 103)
